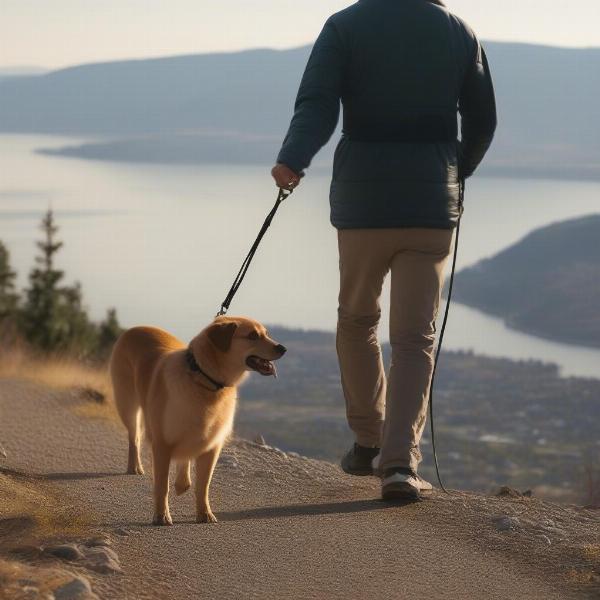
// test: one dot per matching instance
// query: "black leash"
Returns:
(281, 196)
(461, 200)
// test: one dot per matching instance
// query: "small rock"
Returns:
(64, 551)
(122, 532)
(2, 452)
(545, 539)
(293, 455)
(278, 451)
(76, 589)
(506, 523)
(506, 491)
(88, 393)
(263, 473)
(229, 461)
(27, 552)
(100, 540)
(260, 440)
(30, 592)
(102, 560)
(560, 533)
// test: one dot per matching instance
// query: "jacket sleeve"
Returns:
(477, 107)
(317, 106)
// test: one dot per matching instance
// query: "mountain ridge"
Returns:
(302, 47)
(546, 283)
(253, 92)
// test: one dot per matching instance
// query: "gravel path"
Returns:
(289, 527)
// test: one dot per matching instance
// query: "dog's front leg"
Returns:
(205, 465)
(161, 458)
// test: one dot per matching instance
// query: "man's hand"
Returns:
(284, 177)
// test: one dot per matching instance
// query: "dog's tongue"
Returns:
(262, 366)
(266, 367)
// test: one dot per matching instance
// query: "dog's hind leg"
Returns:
(128, 407)
(130, 413)
(134, 461)
(183, 480)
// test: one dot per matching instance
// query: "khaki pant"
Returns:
(389, 413)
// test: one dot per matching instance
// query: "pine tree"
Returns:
(9, 299)
(108, 332)
(53, 318)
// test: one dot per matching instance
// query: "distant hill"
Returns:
(170, 109)
(20, 71)
(242, 92)
(547, 284)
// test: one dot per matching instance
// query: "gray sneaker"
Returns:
(424, 485)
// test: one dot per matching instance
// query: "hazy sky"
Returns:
(54, 33)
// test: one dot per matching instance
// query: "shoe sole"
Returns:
(357, 472)
(400, 491)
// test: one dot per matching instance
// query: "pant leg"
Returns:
(364, 263)
(417, 273)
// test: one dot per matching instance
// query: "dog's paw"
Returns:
(181, 487)
(162, 520)
(206, 517)
(135, 470)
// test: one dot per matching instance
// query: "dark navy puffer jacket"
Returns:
(402, 70)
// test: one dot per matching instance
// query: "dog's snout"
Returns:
(281, 349)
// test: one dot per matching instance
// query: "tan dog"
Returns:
(187, 395)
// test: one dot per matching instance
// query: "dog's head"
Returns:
(244, 344)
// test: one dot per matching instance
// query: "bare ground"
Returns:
(289, 527)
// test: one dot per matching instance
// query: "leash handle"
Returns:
(281, 196)
(461, 200)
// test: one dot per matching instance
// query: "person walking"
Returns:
(403, 71)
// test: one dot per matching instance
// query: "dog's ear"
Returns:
(221, 334)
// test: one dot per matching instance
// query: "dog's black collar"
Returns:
(195, 367)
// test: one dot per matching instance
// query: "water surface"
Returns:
(162, 243)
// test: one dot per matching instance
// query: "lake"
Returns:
(163, 243)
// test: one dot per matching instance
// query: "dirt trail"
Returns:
(289, 527)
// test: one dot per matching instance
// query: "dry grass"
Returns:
(588, 569)
(592, 553)
(55, 372)
(95, 410)
(63, 373)
(581, 576)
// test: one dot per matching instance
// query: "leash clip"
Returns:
(284, 193)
